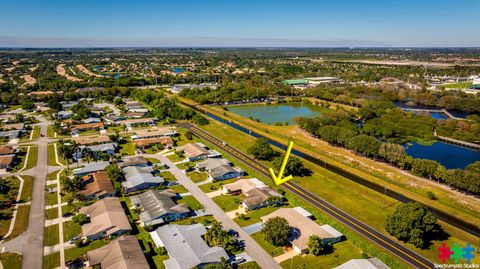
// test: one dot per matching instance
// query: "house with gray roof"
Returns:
(140, 178)
(219, 169)
(90, 168)
(108, 148)
(159, 207)
(186, 247)
(10, 134)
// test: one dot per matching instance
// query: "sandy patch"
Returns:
(84, 70)
(29, 80)
(62, 72)
(10, 69)
(32, 69)
(1, 79)
(16, 62)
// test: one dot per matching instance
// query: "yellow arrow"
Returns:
(278, 179)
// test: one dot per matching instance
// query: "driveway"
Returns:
(253, 249)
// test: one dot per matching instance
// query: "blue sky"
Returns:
(92, 23)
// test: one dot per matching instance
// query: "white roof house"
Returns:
(371, 263)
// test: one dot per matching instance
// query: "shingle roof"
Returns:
(106, 214)
(90, 168)
(186, 247)
(100, 185)
(156, 203)
(138, 175)
(193, 150)
(88, 140)
(122, 253)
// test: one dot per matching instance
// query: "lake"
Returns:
(276, 113)
(450, 156)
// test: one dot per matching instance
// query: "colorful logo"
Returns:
(455, 253)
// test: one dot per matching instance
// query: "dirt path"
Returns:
(62, 72)
(32, 69)
(84, 70)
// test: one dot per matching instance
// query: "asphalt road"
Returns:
(253, 249)
(403, 253)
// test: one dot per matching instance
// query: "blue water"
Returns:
(275, 113)
(450, 156)
(178, 70)
(435, 115)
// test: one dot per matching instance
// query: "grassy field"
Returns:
(70, 230)
(178, 189)
(197, 176)
(36, 132)
(73, 253)
(51, 213)
(153, 160)
(249, 265)
(21, 222)
(228, 202)
(205, 220)
(51, 235)
(272, 250)
(51, 156)
(11, 260)
(128, 148)
(32, 158)
(460, 85)
(213, 186)
(51, 198)
(449, 201)
(191, 202)
(361, 202)
(343, 252)
(51, 261)
(167, 176)
(175, 158)
(27, 189)
(184, 166)
(13, 184)
(253, 216)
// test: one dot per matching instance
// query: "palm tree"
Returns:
(87, 153)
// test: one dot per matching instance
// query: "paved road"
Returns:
(253, 249)
(403, 253)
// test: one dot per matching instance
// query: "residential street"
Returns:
(251, 246)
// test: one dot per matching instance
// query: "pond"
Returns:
(450, 156)
(435, 115)
(276, 112)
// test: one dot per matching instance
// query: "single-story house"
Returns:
(122, 253)
(186, 247)
(107, 218)
(66, 105)
(143, 144)
(140, 178)
(112, 119)
(10, 134)
(8, 150)
(108, 148)
(257, 194)
(64, 114)
(134, 106)
(91, 120)
(219, 169)
(91, 140)
(136, 122)
(139, 161)
(159, 207)
(303, 227)
(13, 126)
(90, 168)
(97, 186)
(86, 126)
(135, 114)
(197, 151)
(370, 263)
(6, 161)
(168, 131)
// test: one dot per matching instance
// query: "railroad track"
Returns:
(403, 253)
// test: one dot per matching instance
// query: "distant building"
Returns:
(143, 144)
(159, 207)
(371, 263)
(186, 247)
(91, 120)
(107, 218)
(92, 140)
(86, 126)
(167, 131)
(136, 122)
(122, 253)
(133, 161)
(90, 168)
(108, 148)
(303, 227)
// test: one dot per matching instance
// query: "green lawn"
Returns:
(128, 148)
(168, 176)
(153, 160)
(205, 220)
(178, 188)
(51, 155)
(51, 261)
(32, 158)
(253, 216)
(197, 176)
(51, 213)
(191, 202)
(51, 235)
(183, 166)
(21, 222)
(51, 198)
(460, 85)
(228, 202)
(50, 131)
(73, 253)
(175, 158)
(249, 265)
(36, 132)
(11, 260)
(19, 160)
(70, 230)
(213, 186)
(27, 188)
(272, 250)
(88, 132)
